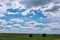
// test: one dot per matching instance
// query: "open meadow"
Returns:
(26, 37)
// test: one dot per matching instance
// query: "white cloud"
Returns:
(47, 27)
(31, 23)
(16, 20)
(54, 25)
(52, 11)
(20, 26)
(2, 15)
(30, 30)
(16, 4)
(3, 22)
(3, 9)
(34, 24)
(52, 14)
(17, 28)
(48, 6)
(6, 4)
(51, 26)
(25, 13)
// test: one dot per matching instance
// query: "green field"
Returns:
(26, 37)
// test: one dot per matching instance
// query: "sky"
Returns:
(30, 16)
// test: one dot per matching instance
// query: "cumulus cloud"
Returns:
(3, 22)
(31, 27)
(52, 28)
(30, 24)
(55, 8)
(17, 20)
(25, 13)
(52, 12)
(17, 28)
(35, 24)
(6, 4)
(2, 15)
(55, 25)
(50, 8)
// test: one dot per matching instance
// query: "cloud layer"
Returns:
(34, 3)
(30, 16)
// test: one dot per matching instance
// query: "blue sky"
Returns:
(30, 16)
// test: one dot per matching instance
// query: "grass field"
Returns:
(26, 37)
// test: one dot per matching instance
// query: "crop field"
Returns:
(26, 37)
